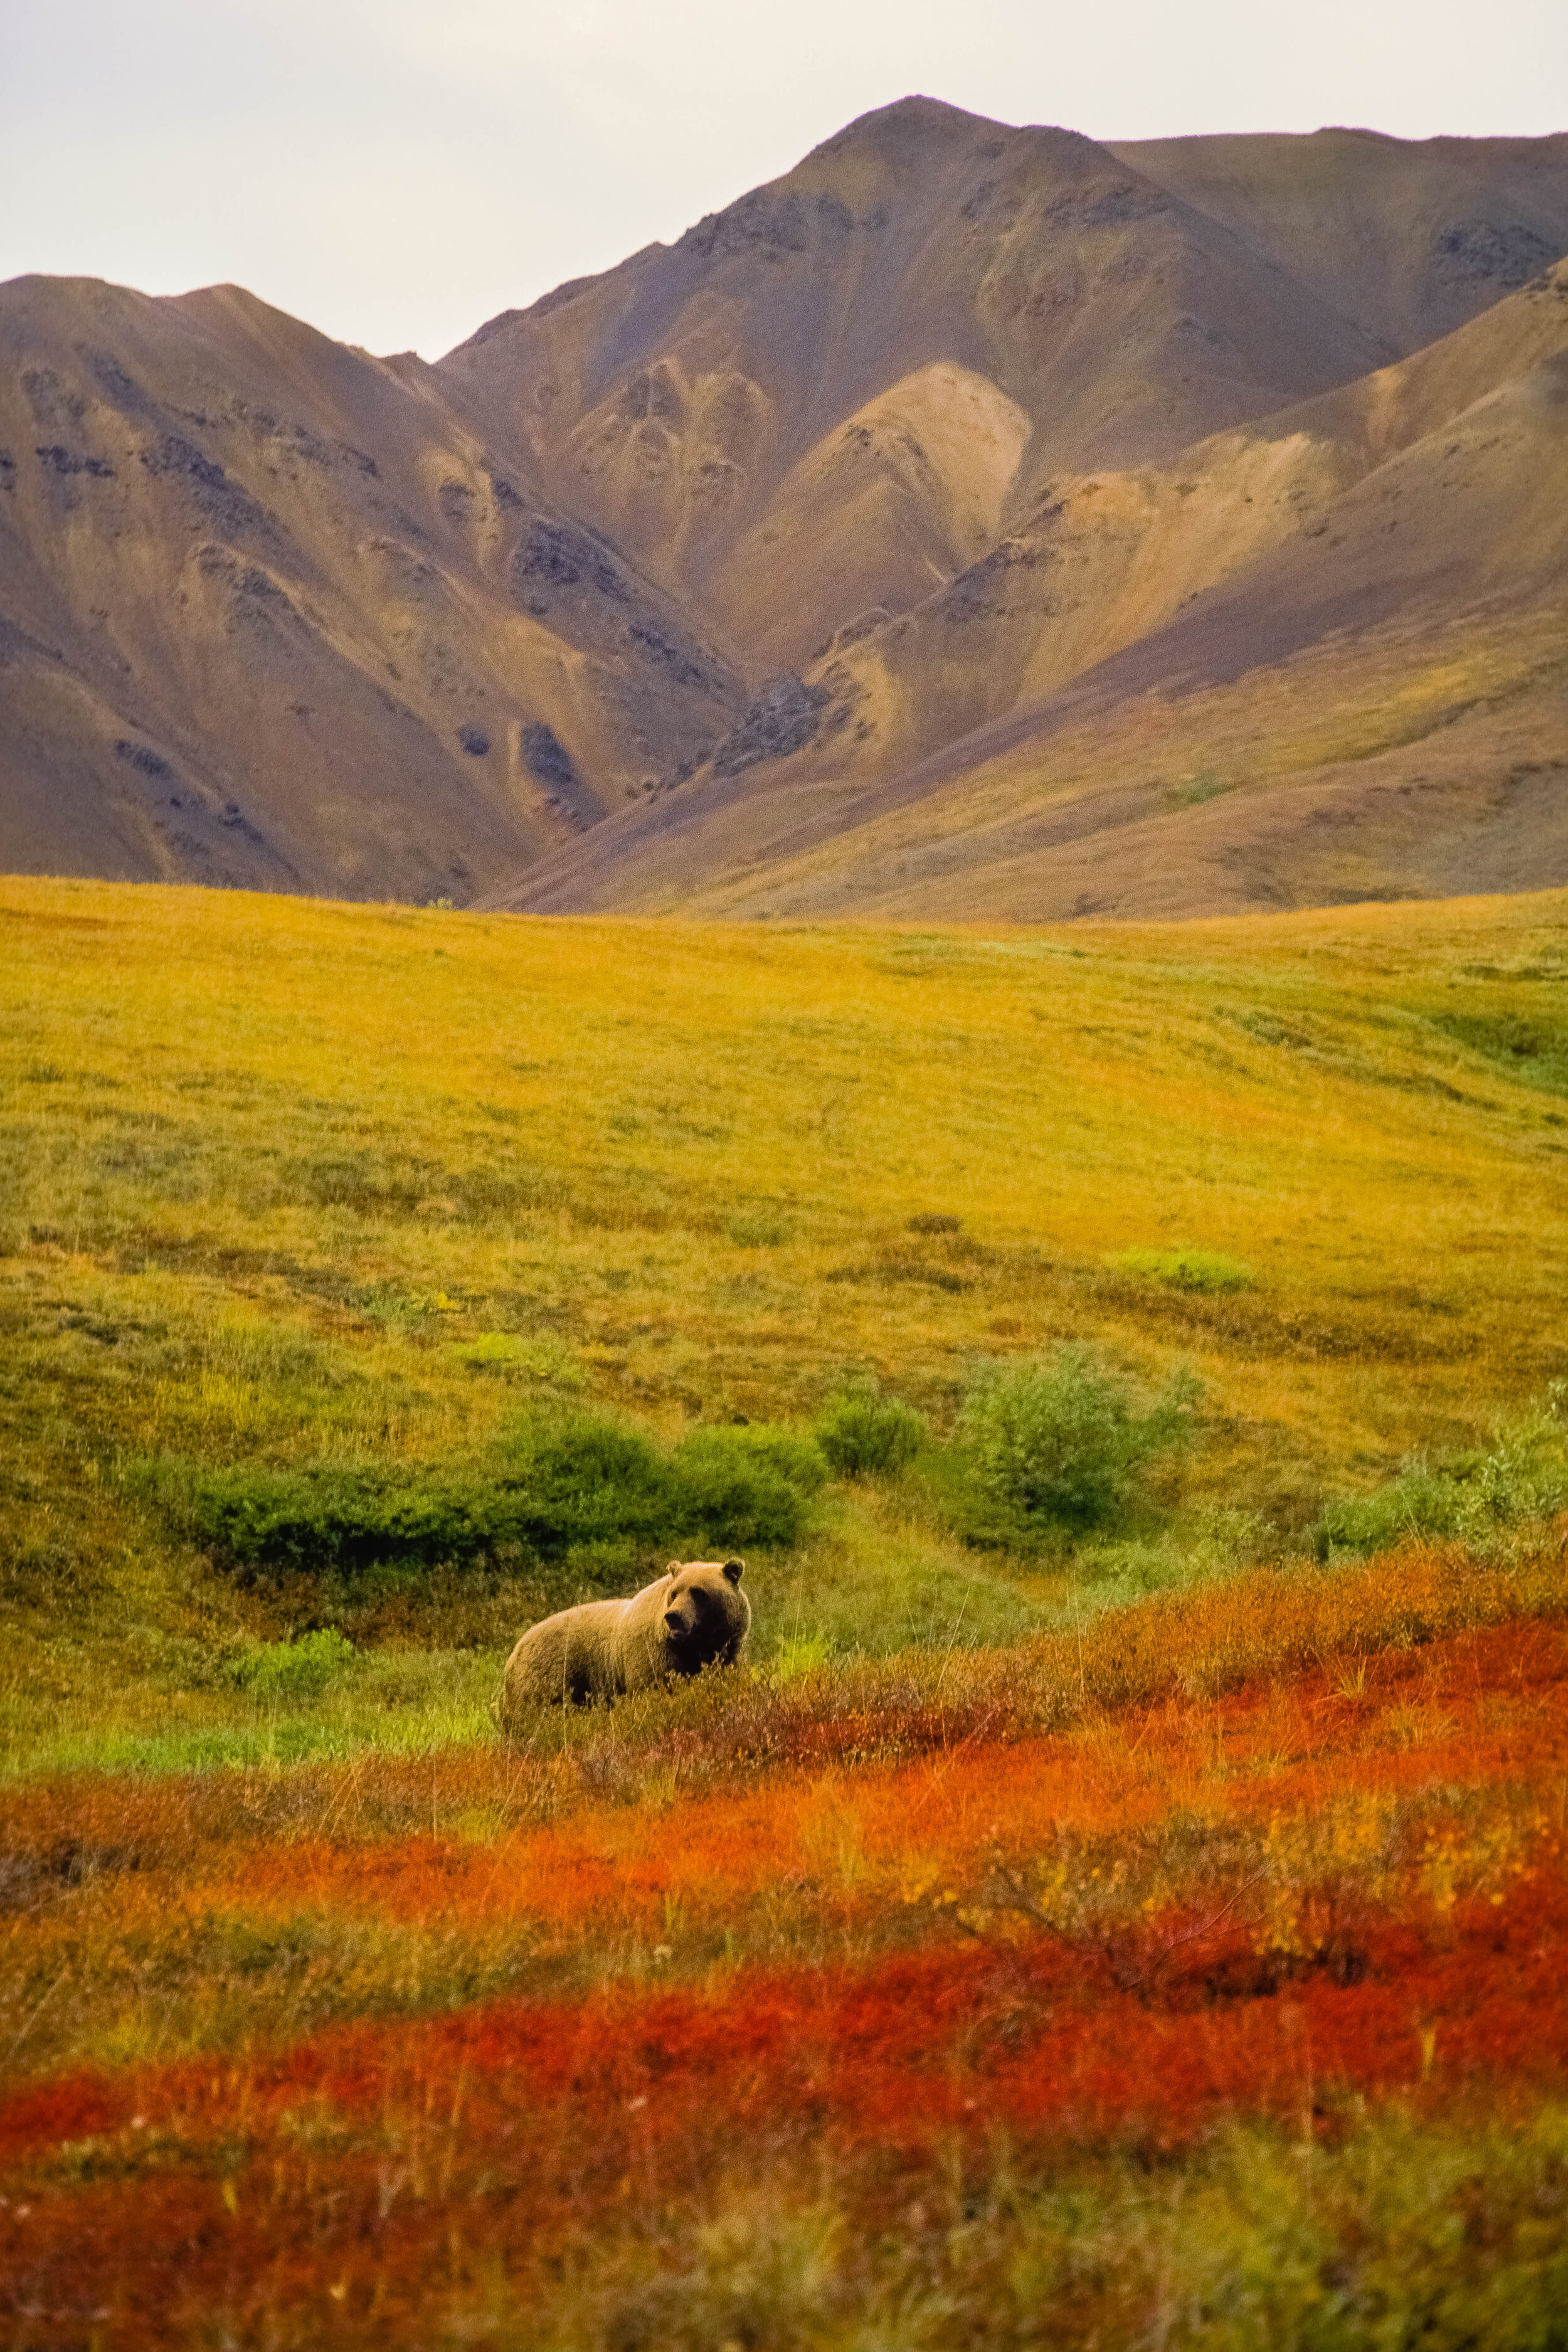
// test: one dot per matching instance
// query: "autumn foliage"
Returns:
(1004, 1957)
(368, 2050)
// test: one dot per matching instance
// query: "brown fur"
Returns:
(695, 1615)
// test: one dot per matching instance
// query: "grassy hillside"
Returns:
(1012, 1951)
(292, 1187)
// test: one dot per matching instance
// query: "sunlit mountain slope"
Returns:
(270, 612)
(768, 409)
(1103, 713)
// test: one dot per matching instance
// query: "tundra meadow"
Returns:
(1123, 1899)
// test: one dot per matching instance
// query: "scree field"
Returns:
(1121, 1900)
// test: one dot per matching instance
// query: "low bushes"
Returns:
(863, 1433)
(576, 1490)
(1524, 1477)
(586, 1483)
(333, 1521)
(1057, 1443)
(1040, 1449)
(582, 1482)
(745, 1485)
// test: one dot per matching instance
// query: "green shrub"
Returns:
(580, 1480)
(1185, 1269)
(862, 1434)
(794, 1457)
(745, 1485)
(1524, 1477)
(1058, 1443)
(574, 1488)
(327, 1521)
(1419, 1502)
(295, 1669)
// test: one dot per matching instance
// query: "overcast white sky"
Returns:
(397, 172)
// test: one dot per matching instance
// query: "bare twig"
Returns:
(34, 2014)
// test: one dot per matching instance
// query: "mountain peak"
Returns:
(909, 124)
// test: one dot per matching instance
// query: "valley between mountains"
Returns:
(976, 523)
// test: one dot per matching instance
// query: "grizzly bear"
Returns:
(696, 1615)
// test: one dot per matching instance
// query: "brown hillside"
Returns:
(1406, 240)
(821, 401)
(1337, 584)
(878, 543)
(772, 411)
(273, 612)
(1430, 482)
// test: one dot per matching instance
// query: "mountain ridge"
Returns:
(826, 513)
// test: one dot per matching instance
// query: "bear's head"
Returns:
(706, 1615)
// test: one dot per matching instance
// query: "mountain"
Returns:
(974, 521)
(1318, 599)
(837, 394)
(1407, 241)
(274, 612)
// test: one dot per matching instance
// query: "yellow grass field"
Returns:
(289, 1183)
(1150, 1932)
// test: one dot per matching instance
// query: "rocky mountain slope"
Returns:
(1321, 598)
(277, 614)
(974, 521)
(836, 393)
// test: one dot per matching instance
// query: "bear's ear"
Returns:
(672, 1567)
(734, 1570)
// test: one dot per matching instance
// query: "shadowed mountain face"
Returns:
(855, 550)
(1405, 242)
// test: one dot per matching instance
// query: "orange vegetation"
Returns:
(1288, 1906)
(519, 2118)
(1477, 1711)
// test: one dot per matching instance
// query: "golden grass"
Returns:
(973, 1969)
(273, 1168)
